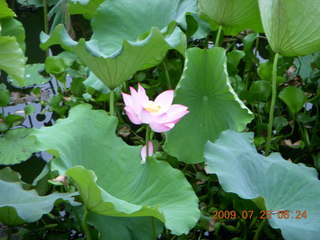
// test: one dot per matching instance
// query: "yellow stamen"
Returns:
(152, 107)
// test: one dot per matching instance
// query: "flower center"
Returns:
(152, 107)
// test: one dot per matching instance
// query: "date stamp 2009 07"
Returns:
(280, 214)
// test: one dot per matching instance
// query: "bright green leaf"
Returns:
(291, 26)
(12, 27)
(205, 89)
(4, 95)
(282, 184)
(116, 183)
(12, 59)
(56, 64)
(5, 11)
(234, 15)
(294, 97)
(29, 109)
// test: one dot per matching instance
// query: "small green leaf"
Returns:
(279, 123)
(4, 95)
(294, 97)
(260, 91)
(29, 109)
(56, 65)
(282, 184)
(16, 146)
(32, 75)
(233, 61)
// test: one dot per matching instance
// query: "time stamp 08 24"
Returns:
(281, 214)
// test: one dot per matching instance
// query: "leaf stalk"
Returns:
(273, 102)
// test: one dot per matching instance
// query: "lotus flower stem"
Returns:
(85, 224)
(147, 141)
(111, 103)
(169, 85)
(218, 36)
(273, 102)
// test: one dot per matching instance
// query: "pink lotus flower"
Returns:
(160, 114)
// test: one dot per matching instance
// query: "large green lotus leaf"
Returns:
(5, 11)
(233, 15)
(12, 59)
(111, 180)
(291, 26)
(282, 184)
(205, 89)
(16, 146)
(123, 42)
(119, 228)
(18, 205)
(12, 27)
(86, 7)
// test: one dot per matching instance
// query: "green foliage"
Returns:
(18, 205)
(282, 184)
(85, 7)
(16, 146)
(159, 45)
(32, 75)
(113, 58)
(103, 158)
(235, 17)
(212, 103)
(294, 97)
(4, 95)
(5, 12)
(12, 27)
(290, 26)
(126, 228)
(12, 59)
